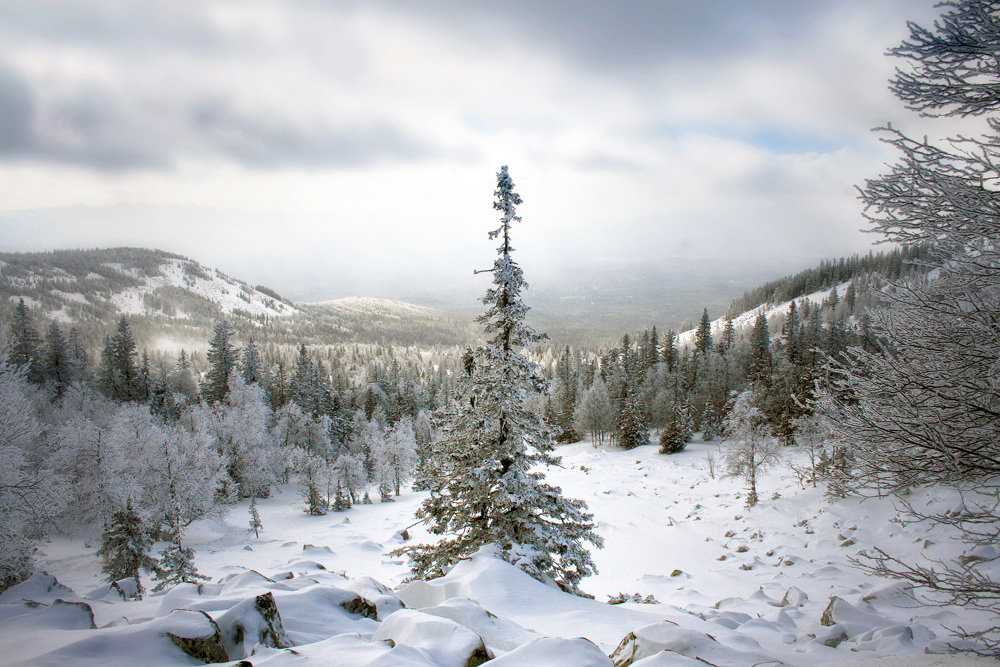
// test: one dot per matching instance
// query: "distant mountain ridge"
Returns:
(173, 301)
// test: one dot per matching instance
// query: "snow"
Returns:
(784, 591)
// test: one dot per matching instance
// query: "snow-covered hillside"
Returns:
(71, 286)
(228, 294)
(743, 323)
(773, 584)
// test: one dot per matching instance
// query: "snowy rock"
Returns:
(794, 597)
(182, 596)
(318, 611)
(553, 652)
(245, 580)
(896, 594)
(208, 648)
(39, 587)
(839, 611)
(498, 633)
(251, 623)
(441, 639)
(376, 600)
(304, 566)
(668, 659)
(668, 636)
(60, 615)
(314, 550)
(347, 650)
(177, 638)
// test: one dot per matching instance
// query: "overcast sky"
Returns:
(327, 148)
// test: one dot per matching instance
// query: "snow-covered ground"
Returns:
(733, 586)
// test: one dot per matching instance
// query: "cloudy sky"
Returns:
(328, 148)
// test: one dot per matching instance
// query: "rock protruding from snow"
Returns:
(252, 623)
(670, 637)
(555, 652)
(375, 600)
(207, 647)
(60, 615)
(174, 639)
(442, 640)
(39, 587)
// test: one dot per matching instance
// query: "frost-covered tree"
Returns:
(312, 472)
(749, 449)
(180, 380)
(595, 413)
(28, 491)
(183, 470)
(90, 459)
(489, 489)
(919, 402)
(348, 474)
(395, 456)
(239, 426)
(423, 432)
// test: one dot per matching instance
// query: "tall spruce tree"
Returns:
(221, 362)
(703, 335)
(119, 376)
(760, 352)
(25, 343)
(58, 368)
(489, 490)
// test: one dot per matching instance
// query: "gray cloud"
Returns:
(118, 26)
(264, 141)
(16, 112)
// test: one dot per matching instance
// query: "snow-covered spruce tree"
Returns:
(487, 489)
(749, 449)
(125, 547)
(630, 423)
(678, 429)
